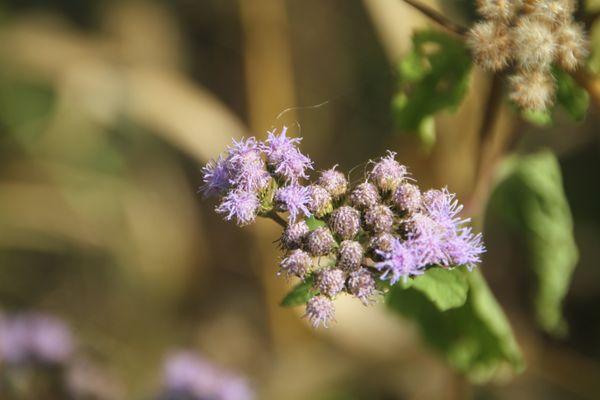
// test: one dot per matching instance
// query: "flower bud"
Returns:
(297, 262)
(573, 47)
(330, 282)
(350, 255)
(532, 90)
(379, 219)
(490, 44)
(407, 198)
(319, 203)
(294, 234)
(362, 285)
(387, 173)
(381, 243)
(320, 311)
(534, 44)
(345, 222)
(497, 9)
(320, 242)
(364, 196)
(334, 182)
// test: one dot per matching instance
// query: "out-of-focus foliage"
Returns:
(433, 76)
(443, 287)
(530, 199)
(300, 294)
(474, 336)
(569, 96)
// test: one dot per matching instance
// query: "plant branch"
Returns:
(276, 217)
(438, 18)
(590, 83)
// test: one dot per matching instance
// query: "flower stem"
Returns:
(276, 217)
(438, 18)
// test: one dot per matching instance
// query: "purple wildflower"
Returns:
(379, 219)
(387, 173)
(215, 177)
(294, 234)
(293, 199)
(297, 262)
(364, 196)
(400, 262)
(320, 242)
(38, 337)
(285, 158)
(320, 311)
(362, 285)
(241, 205)
(407, 198)
(320, 201)
(345, 222)
(330, 282)
(245, 166)
(350, 255)
(427, 238)
(334, 182)
(464, 248)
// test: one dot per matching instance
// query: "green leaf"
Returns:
(446, 288)
(474, 338)
(530, 199)
(300, 294)
(572, 97)
(433, 76)
(314, 223)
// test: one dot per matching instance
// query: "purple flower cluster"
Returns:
(253, 177)
(383, 228)
(34, 338)
(188, 376)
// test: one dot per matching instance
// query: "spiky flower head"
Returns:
(361, 284)
(216, 177)
(296, 263)
(407, 198)
(572, 46)
(320, 311)
(284, 157)
(490, 44)
(387, 173)
(294, 234)
(364, 196)
(320, 203)
(350, 255)
(334, 182)
(463, 247)
(320, 242)
(240, 205)
(245, 167)
(379, 219)
(497, 9)
(534, 44)
(293, 199)
(330, 282)
(398, 263)
(380, 244)
(345, 222)
(532, 90)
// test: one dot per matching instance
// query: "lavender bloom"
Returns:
(427, 238)
(334, 182)
(379, 219)
(407, 198)
(294, 234)
(34, 337)
(400, 262)
(320, 311)
(241, 205)
(320, 242)
(285, 158)
(320, 201)
(345, 222)
(362, 285)
(388, 173)
(297, 263)
(245, 166)
(216, 177)
(293, 199)
(364, 196)
(350, 255)
(465, 248)
(187, 375)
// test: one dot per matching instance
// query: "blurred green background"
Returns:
(108, 110)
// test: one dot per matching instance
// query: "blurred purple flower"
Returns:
(399, 262)
(241, 205)
(293, 199)
(245, 166)
(215, 177)
(285, 158)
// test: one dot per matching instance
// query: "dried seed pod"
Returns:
(532, 90)
(490, 44)
(572, 46)
(534, 44)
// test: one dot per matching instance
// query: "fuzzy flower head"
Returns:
(334, 182)
(239, 205)
(381, 244)
(572, 46)
(551, 11)
(532, 90)
(497, 9)
(285, 158)
(345, 222)
(364, 196)
(387, 173)
(379, 219)
(293, 199)
(245, 167)
(534, 44)
(350, 255)
(490, 44)
(320, 242)
(361, 284)
(407, 198)
(216, 178)
(296, 263)
(330, 282)
(464, 248)
(320, 203)
(294, 234)
(320, 311)
(400, 262)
